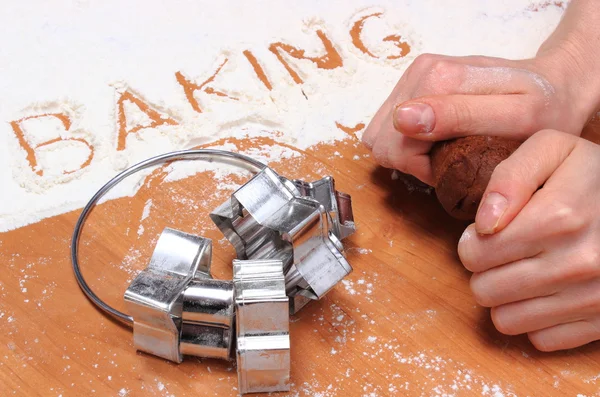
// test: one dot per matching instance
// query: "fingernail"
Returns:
(488, 217)
(416, 118)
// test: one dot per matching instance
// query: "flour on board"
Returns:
(88, 91)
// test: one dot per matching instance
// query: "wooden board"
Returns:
(403, 323)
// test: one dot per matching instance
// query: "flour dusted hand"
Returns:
(535, 246)
(441, 97)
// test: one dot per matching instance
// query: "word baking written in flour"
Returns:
(39, 132)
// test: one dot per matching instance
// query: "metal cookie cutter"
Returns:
(178, 309)
(262, 322)
(299, 223)
(209, 155)
(337, 204)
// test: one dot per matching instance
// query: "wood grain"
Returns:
(403, 323)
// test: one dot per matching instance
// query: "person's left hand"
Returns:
(535, 245)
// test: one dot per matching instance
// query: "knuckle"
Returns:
(564, 219)
(442, 76)
(584, 266)
(441, 67)
(504, 320)
(590, 261)
(461, 115)
(447, 72)
(424, 61)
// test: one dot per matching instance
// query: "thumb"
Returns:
(442, 117)
(517, 178)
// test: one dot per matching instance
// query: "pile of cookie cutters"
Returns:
(287, 236)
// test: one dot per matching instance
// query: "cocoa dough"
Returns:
(462, 168)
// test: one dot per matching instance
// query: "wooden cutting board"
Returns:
(403, 323)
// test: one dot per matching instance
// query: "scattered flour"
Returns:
(449, 377)
(147, 208)
(89, 91)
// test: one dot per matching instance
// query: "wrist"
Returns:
(574, 73)
(570, 61)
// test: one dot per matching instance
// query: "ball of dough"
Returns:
(462, 169)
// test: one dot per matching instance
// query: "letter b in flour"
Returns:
(43, 139)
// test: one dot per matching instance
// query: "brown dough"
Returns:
(462, 169)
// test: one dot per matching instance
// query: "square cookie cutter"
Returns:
(179, 309)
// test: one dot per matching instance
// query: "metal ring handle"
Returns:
(210, 155)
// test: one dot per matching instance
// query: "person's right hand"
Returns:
(441, 97)
(533, 248)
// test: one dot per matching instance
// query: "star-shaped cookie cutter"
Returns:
(299, 223)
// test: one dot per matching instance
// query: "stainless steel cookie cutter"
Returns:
(337, 204)
(262, 323)
(210, 155)
(299, 223)
(178, 309)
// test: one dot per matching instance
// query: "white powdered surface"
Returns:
(76, 59)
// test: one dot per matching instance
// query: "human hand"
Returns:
(535, 253)
(441, 97)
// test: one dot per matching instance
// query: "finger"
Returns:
(503, 78)
(479, 77)
(438, 118)
(574, 304)
(566, 336)
(517, 178)
(418, 166)
(377, 125)
(382, 121)
(516, 281)
(568, 265)
(431, 74)
(543, 275)
(393, 150)
(479, 253)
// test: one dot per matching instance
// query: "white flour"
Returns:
(83, 63)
